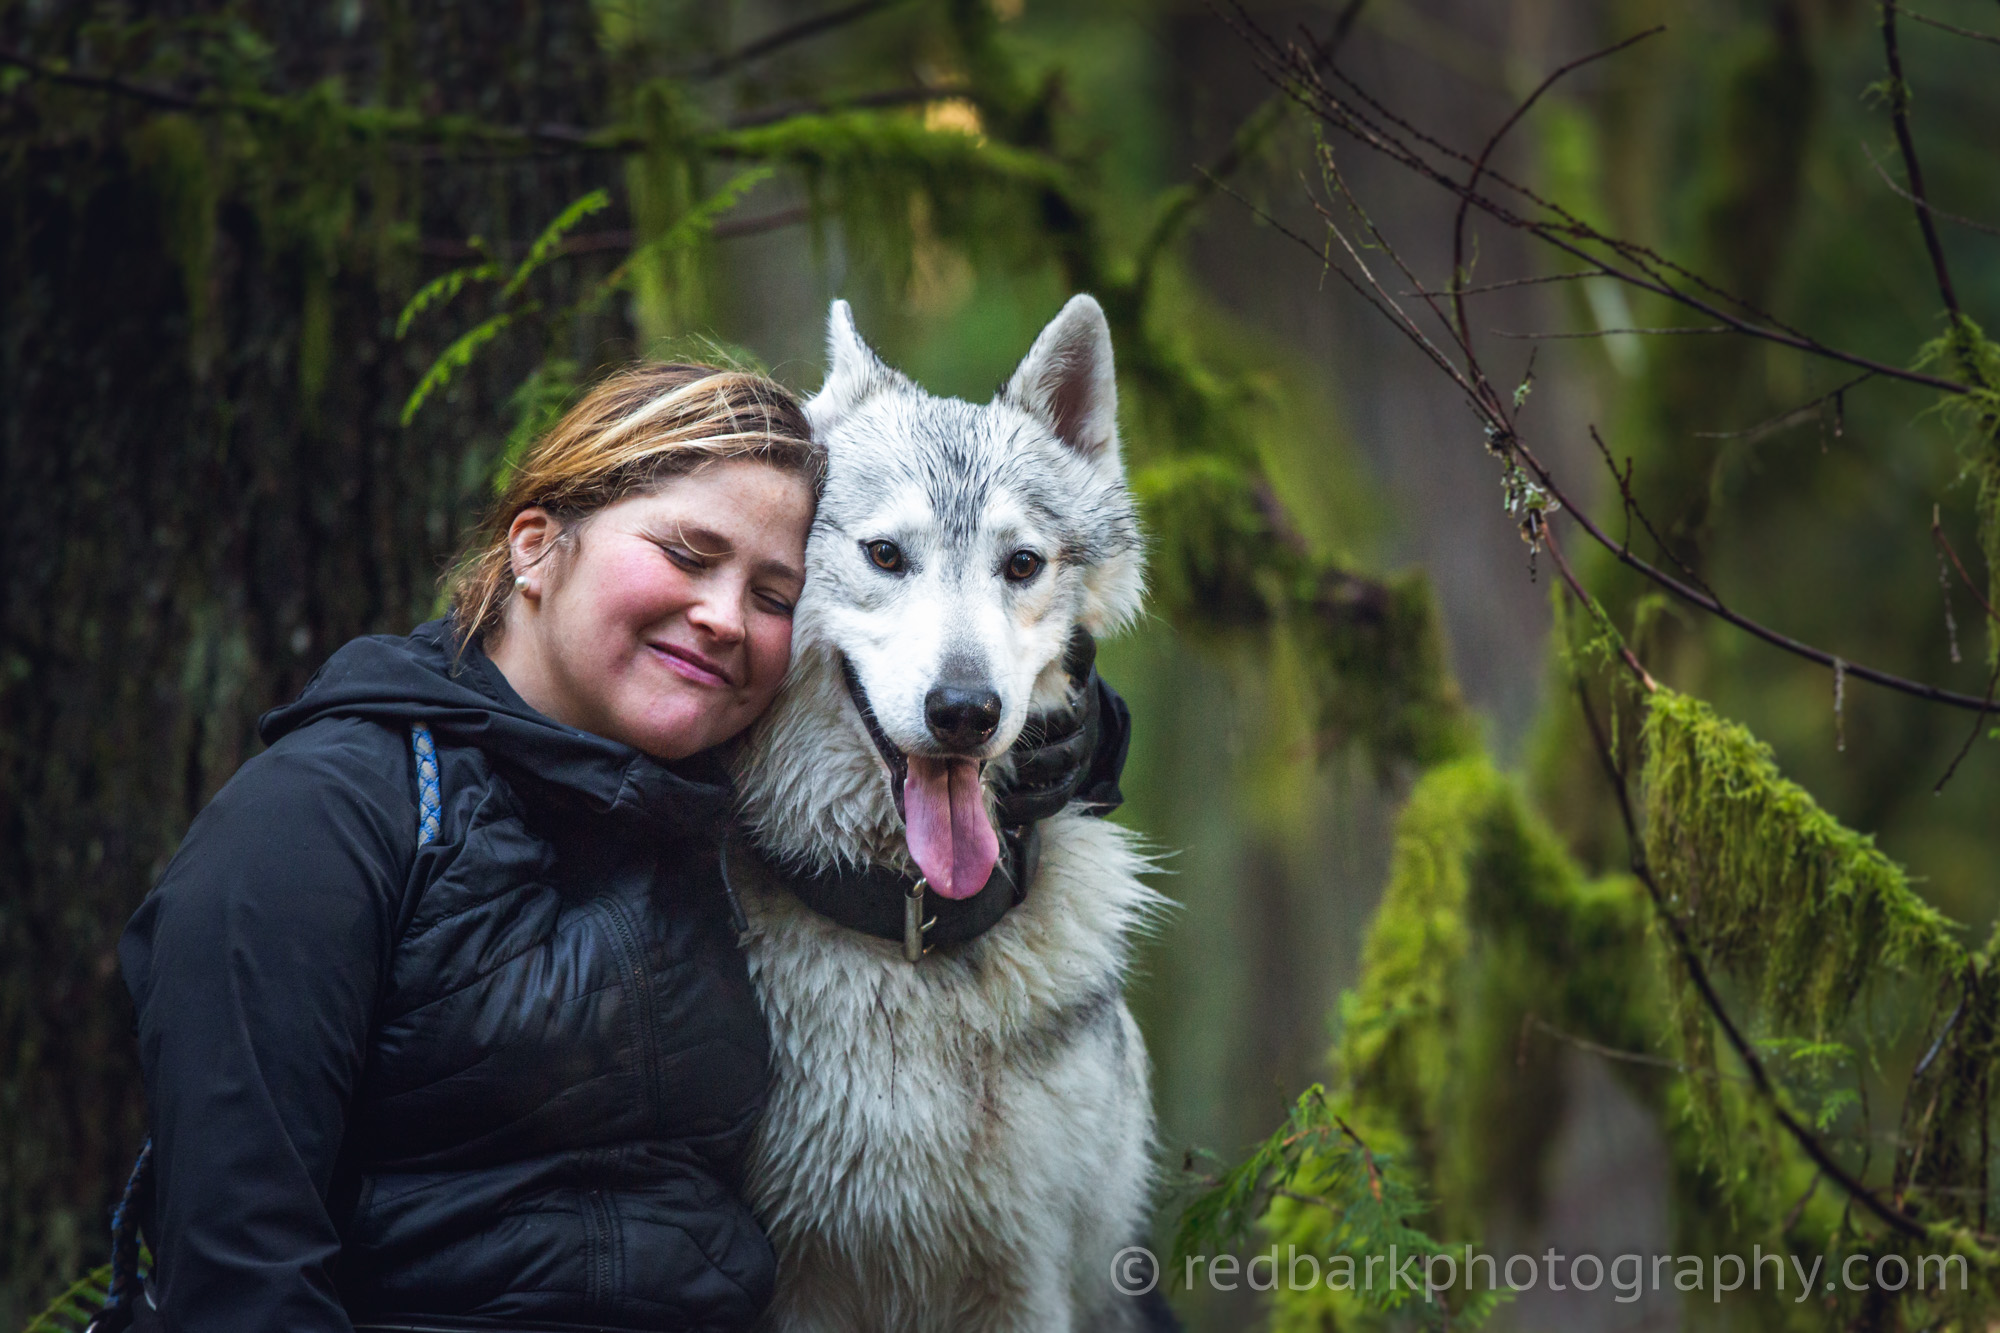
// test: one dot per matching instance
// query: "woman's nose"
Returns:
(720, 615)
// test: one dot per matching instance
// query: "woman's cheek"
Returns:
(641, 587)
(773, 653)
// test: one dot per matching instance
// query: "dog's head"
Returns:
(956, 549)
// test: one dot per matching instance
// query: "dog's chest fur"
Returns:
(966, 1141)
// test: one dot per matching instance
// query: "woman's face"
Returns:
(667, 622)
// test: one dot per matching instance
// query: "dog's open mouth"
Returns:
(943, 807)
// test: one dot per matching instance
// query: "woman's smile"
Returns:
(691, 665)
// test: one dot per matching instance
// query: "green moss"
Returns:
(1772, 889)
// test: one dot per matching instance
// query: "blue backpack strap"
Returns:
(126, 1288)
(430, 799)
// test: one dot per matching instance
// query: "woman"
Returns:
(440, 1008)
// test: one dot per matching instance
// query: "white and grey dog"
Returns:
(963, 1141)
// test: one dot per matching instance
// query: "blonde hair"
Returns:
(627, 436)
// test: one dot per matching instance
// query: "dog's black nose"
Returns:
(962, 719)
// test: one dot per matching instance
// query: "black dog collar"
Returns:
(888, 904)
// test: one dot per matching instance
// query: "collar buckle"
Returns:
(914, 925)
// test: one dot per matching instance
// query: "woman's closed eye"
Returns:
(683, 557)
(776, 603)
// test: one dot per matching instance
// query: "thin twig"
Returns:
(1692, 596)
(1383, 304)
(1510, 283)
(1633, 509)
(1971, 736)
(1628, 1057)
(1330, 171)
(1641, 268)
(1954, 28)
(1926, 204)
(786, 36)
(101, 83)
(1590, 605)
(1899, 116)
(1944, 543)
(1796, 416)
(1458, 273)
(1607, 333)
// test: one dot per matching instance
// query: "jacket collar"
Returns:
(465, 700)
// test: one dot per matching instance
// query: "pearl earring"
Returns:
(520, 580)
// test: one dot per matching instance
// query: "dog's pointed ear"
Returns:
(1068, 382)
(853, 371)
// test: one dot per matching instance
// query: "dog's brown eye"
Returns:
(885, 555)
(1023, 565)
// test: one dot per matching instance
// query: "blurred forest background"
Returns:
(230, 440)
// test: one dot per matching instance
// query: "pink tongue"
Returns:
(950, 836)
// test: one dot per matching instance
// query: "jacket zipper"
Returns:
(632, 958)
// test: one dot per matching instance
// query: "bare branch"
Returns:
(1926, 204)
(1627, 1057)
(888, 97)
(1590, 605)
(1708, 603)
(1633, 509)
(1510, 283)
(786, 36)
(1937, 535)
(101, 83)
(1954, 28)
(1971, 736)
(1458, 273)
(1381, 303)
(1795, 416)
(1330, 168)
(1375, 126)
(1899, 116)
(1607, 333)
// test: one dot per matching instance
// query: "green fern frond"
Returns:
(692, 226)
(551, 240)
(72, 1311)
(1317, 1187)
(441, 291)
(459, 355)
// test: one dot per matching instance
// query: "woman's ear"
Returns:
(531, 538)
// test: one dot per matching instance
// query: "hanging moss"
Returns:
(1487, 937)
(179, 162)
(1967, 354)
(1772, 889)
(1225, 560)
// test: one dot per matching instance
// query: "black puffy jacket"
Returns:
(507, 1079)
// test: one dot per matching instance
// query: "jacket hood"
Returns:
(464, 700)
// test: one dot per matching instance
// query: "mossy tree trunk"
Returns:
(207, 487)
